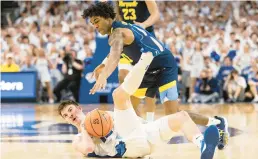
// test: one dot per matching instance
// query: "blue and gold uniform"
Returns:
(162, 72)
(132, 10)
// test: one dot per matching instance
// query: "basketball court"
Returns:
(36, 131)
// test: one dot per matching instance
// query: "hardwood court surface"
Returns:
(37, 132)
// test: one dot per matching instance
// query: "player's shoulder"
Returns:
(119, 24)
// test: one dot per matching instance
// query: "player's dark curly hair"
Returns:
(102, 9)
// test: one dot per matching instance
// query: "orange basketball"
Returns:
(98, 123)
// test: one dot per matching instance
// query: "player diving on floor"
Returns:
(160, 73)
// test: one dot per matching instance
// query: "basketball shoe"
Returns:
(223, 132)
(210, 142)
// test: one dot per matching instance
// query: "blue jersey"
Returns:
(224, 71)
(146, 42)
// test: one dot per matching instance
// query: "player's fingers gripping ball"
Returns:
(98, 123)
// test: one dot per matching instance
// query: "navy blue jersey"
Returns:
(132, 10)
(146, 42)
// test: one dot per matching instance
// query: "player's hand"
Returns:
(140, 24)
(100, 83)
(97, 71)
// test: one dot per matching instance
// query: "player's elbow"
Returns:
(120, 94)
(84, 149)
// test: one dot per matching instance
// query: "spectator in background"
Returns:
(235, 86)
(206, 88)
(10, 65)
(253, 82)
(235, 49)
(208, 64)
(72, 70)
(24, 40)
(197, 64)
(43, 66)
(253, 42)
(55, 25)
(222, 75)
(28, 66)
(244, 58)
(250, 71)
(188, 50)
(250, 74)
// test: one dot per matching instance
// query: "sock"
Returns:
(213, 121)
(197, 140)
(150, 116)
(134, 78)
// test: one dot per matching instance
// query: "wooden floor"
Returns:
(37, 132)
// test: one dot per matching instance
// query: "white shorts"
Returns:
(44, 76)
(195, 72)
(159, 131)
(128, 125)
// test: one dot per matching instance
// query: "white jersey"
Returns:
(137, 136)
(42, 67)
(109, 146)
(114, 146)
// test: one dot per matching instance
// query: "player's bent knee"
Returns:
(120, 94)
(184, 115)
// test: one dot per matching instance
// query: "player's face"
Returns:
(73, 114)
(102, 25)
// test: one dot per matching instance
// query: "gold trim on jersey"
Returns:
(167, 86)
(128, 4)
(125, 59)
(140, 93)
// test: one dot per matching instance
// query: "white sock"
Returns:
(150, 116)
(197, 140)
(213, 121)
(134, 78)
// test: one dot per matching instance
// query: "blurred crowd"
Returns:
(215, 45)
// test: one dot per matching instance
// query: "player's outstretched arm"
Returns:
(83, 143)
(154, 14)
(116, 43)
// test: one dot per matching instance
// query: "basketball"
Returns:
(98, 123)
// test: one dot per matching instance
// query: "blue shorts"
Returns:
(163, 81)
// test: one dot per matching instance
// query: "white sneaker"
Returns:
(51, 101)
(255, 100)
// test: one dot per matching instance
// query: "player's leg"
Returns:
(150, 103)
(220, 122)
(207, 143)
(169, 95)
(126, 121)
(150, 99)
(166, 127)
(149, 108)
(124, 67)
(121, 96)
